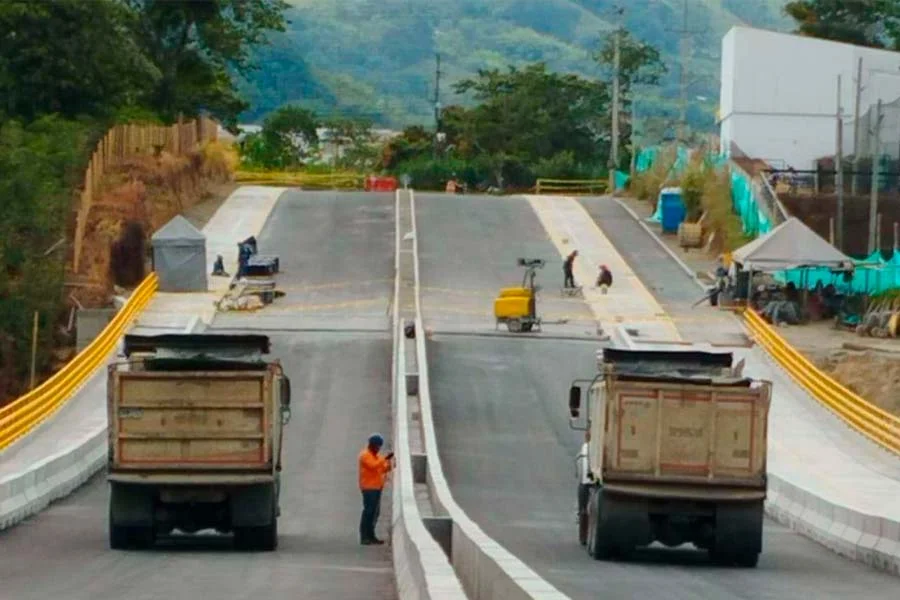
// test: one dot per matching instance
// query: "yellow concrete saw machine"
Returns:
(516, 306)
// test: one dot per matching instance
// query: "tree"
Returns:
(198, 45)
(39, 163)
(354, 143)
(640, 62)
(531, 113)
(70, 57)
(287, 139)
(415, 141)
(874, 23)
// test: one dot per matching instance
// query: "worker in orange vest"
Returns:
(373, 470)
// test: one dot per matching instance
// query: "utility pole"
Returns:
(633, 140)
(614, 149)
(685, 52)
(873, 201)
(437, 101)
(839, 169)
(859, 89)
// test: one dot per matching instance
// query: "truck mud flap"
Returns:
(253, 505)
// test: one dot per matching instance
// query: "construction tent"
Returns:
(179, 257)
(789, 246)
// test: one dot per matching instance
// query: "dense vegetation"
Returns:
(68, 70)
(376, 59)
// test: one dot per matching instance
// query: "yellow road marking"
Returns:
(279, 307)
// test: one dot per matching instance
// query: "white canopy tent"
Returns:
(791, 245)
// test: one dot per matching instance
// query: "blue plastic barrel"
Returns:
(672, 209)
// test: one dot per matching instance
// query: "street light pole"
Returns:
(839, 169)
(614, 151)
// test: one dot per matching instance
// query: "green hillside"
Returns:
(377, 57)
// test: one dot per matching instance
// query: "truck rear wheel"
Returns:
(254, 511)
(738, 536)
(131, 524)
(264, 539)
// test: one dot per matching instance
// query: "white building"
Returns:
(778, 100)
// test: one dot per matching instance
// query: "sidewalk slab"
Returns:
(628, 301)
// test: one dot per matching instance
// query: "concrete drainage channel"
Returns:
(457, 560)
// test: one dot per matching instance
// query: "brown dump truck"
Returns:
(676, 454)
(195, 437)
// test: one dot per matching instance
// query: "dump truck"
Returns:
(675, 452)
(195, 438)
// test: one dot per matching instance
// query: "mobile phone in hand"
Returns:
(389, 455)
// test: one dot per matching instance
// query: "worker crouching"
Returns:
(373, 470)
(604, 279)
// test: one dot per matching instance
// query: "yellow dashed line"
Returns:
(280, 308)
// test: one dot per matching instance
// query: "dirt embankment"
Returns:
(874, 376)
(148, 191)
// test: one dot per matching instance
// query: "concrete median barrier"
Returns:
(422, 568)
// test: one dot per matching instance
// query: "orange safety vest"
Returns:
(372, 470)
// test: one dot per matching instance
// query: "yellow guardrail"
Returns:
(572, 187)
(339, 180)
(29, 410)
(880, 426)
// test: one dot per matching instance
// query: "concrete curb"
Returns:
(865, 538)
(27, 493)
(485, 568)
(869, 539)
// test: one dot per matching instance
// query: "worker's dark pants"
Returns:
(570, 279)
(371, 509)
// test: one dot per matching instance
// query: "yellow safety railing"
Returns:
(29, 410)
(338, 180)
(880, 426)
(571, 187)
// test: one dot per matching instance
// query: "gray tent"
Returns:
(179, 257)
(790, 245)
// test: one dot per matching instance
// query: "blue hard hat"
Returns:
(376, 440)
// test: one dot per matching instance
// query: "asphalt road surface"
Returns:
(341, 393)
(501, 419)
(471, 245)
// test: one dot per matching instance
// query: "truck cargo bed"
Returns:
(668, 432)
(190, 420)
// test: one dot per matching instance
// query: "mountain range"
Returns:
(377, 58)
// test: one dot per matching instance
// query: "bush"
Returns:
(648, 184)
(565, 166)
(721, 221)
(432, 174)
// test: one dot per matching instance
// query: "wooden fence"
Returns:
(125, 141)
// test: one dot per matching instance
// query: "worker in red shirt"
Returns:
(373, 470)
